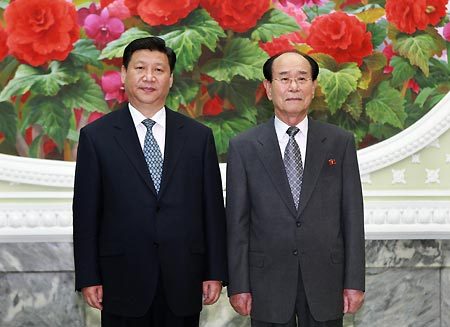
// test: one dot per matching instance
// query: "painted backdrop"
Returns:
(383, 63)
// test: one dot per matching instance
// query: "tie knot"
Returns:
(291, 131)
(148, 123)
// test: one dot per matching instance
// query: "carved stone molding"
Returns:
(422, 133)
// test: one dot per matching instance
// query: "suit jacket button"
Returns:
(299, 224)
(295, 252)
(155, 245)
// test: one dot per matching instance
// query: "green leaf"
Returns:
(274, 23)
(353, 105)
(423, 96)
(325, 61)
(241, 57)
(8, 121)
(51, 114)
(375, 61)
(336, 86)
(84, 53)
(86, 94)
(403, 71)
(188, 37)
(378, 31)
(420, 47)
(382, 131)
(183, 91)
(7, 67)
(240, 92)
(386, 106)
(224, 130)
(41, 82)
(115, 48)
(35, 146)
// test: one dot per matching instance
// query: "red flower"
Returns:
(2, 137)
(41, 30)
(342, 36)
(213, 107)
(118, 9)
(163, 12)
(235, 15)
(411, 15)
(3, 45)
(276, 46)
(113, 87)
(412, 84)
(103, 28)
(132, 6)
(388, 52)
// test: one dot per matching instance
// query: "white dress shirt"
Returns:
(300, 137)
(159, 129)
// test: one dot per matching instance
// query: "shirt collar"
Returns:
(281, 127)
(159, 117)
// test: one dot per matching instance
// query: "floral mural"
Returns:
(383, 63)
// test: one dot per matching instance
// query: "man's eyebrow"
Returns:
(302, 72)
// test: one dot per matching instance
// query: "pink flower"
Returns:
(446, 31)
(103, 28)
(300, 3)
(297, 13)
(84, 12)
(112, 87)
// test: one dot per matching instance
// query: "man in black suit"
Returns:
(294, 210)
(148, 213)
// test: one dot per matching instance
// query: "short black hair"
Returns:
(267, 68)
(152, 43)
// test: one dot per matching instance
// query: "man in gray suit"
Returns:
(295, 221)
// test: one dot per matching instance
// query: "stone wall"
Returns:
(408, 284)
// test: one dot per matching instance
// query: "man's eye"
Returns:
(284, 79)
(139, 67)
(301, 79)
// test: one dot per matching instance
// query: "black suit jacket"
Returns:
(269, 239)
(125, 234)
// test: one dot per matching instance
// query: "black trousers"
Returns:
(302, 316)
(158, 315)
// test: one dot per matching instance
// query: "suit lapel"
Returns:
(125, 134)
(269, 153)
(175, 140)
(315, 156)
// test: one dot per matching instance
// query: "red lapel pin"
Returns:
(331, 162)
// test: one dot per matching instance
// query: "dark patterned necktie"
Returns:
(152, 154)
(293, 165)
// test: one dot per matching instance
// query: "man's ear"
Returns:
(123, 73)
(171, 80)
(268, 87)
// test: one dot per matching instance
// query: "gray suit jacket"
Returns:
(268, 238)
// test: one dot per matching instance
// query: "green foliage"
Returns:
(183, 91)
(115, 48)
(378, 31)
(403, 71)
(50, 114)
(8, 121)
(387, 106)
(41, 81)
(241, 57)
(419, 48)
(337, 85)
(85, 93)
(197, 30)
(274, 23)
(84, 53)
